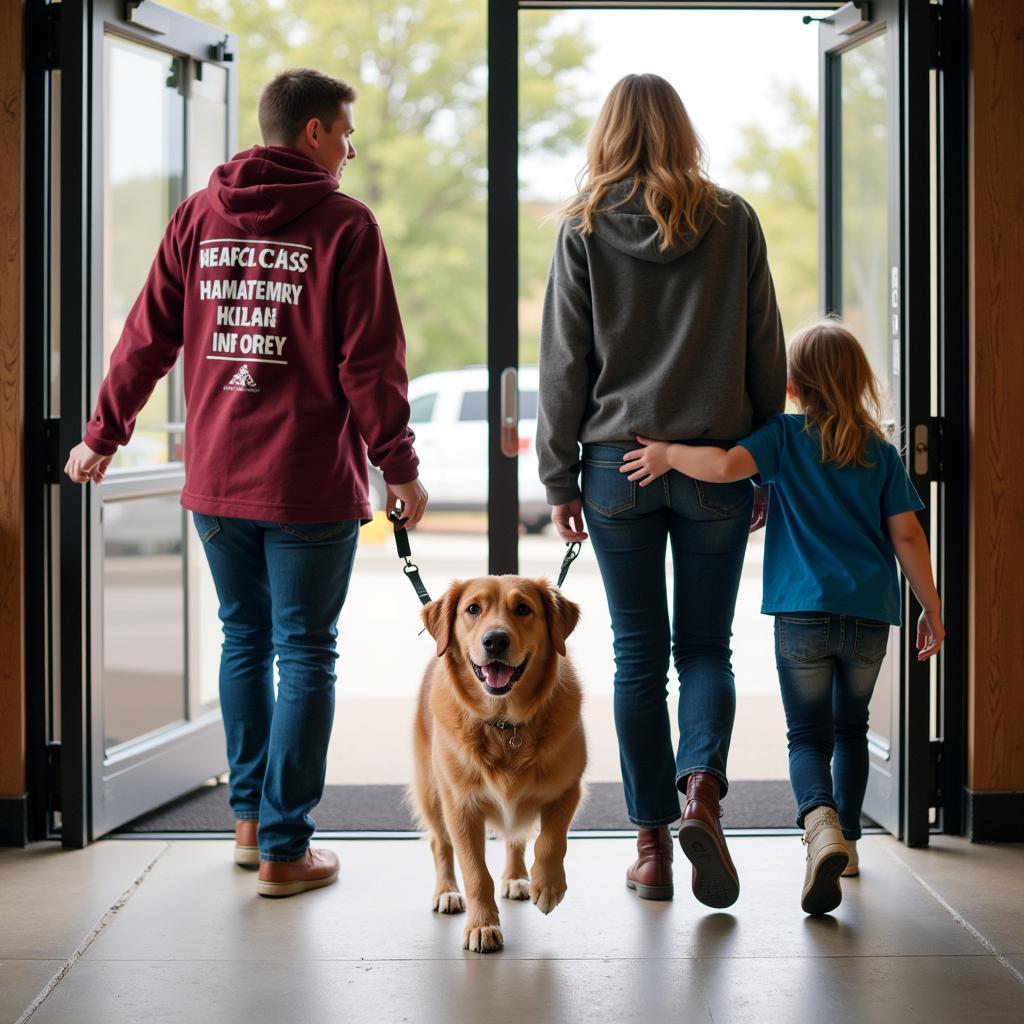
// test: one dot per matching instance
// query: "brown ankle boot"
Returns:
(650, 876)
(715, 882)
(287, 878)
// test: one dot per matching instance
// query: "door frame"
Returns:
(88, 782)
(912, 55)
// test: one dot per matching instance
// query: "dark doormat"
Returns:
(749, 805)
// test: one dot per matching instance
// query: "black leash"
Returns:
(412, 570)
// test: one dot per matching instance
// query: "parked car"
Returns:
(449, 417)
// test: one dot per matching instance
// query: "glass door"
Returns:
(144, 641)
(875, 274)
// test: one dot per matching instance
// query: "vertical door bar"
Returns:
(953, 407)
(915, 243)
(502, 274)
(75, 314)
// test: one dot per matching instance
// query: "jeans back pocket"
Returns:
(605, 489)
(802, 639)
(725, 500)
(870, 641)
(206, 526)
(318, 531)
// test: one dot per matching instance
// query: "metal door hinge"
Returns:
(53, 776)
(935, 773)
(53, 36)
(51, 451)
(935, 36)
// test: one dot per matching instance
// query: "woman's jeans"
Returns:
(281, 587)
(828, 665)
(629, 526)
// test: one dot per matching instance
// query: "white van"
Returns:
(449, 418)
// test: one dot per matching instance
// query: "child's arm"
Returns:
(713, 465)
(911, 547)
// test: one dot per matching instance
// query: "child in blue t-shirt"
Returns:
(841, 507)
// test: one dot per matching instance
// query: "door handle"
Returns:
(510, 412)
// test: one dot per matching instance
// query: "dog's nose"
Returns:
(496, 641)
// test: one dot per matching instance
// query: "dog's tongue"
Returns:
(496, 674)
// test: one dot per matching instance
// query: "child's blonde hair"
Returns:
(838, 392)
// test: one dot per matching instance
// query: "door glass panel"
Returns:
(143, 617)
(204, 627)
(864, 167)
(762, 145)
(143, 182)
(207, 122)
(866, 299)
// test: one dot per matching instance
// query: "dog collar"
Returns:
(515, 741)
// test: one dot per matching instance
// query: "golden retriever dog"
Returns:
(498, 741)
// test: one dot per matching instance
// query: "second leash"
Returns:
(412, 571)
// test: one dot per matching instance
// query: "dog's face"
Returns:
(504, 630)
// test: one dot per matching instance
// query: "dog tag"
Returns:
(515, 741)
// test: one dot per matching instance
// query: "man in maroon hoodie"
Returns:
(277, 288)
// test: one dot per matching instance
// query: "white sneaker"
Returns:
(827, 857)
(853, 867)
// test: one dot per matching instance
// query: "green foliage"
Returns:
(779, 178)
(420, 67)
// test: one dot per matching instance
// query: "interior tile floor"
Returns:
(151, 931)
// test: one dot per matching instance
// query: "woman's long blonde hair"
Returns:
(837, 391)
(643, 133)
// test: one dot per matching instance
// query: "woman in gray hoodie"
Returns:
(660, 321)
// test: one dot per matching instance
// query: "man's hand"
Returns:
(759, 515)
(410, 499)
(84, 464)
(568, 520)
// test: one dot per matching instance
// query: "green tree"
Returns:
(779, 176)
(420, 67)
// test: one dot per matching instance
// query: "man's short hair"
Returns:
(293, 97)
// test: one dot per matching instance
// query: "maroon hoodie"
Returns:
(277, 287)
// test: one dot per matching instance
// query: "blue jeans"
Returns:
(828, 665)
(281, 587)
(629, 526)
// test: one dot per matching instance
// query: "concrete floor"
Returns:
(160, 931)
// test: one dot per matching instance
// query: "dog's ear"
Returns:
(439, 615)
(563, 615)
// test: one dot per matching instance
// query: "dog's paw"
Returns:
(484, 939)
(449, 902)
(547, 891)
(515, 888)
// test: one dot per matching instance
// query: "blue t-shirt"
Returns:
(826, 545)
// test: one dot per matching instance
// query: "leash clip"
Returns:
(572, 551)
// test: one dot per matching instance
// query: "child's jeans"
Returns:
(828, 665)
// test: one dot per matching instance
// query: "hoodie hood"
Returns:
(266, 187)
(632, 230)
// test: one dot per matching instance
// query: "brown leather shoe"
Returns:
(715, 882)
(247, 851)
(287, 878)
(650, 875)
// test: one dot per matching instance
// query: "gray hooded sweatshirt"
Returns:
(680, 345)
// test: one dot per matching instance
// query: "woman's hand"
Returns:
(568, 520)
(648, 463)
